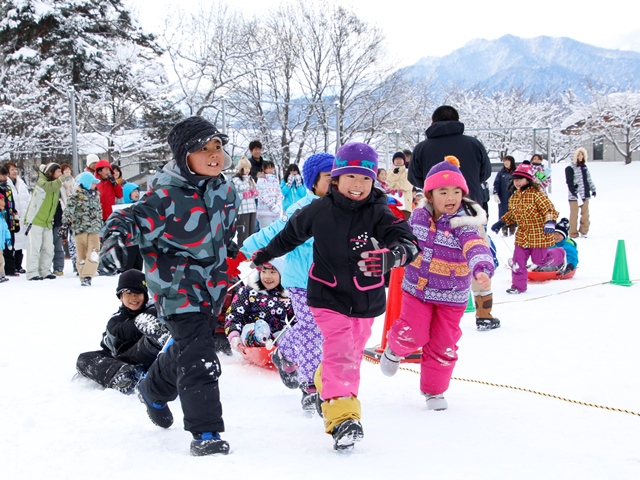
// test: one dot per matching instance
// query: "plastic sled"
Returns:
(545, 276)
(260, 356)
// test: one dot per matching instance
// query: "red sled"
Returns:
(260, 356)
(544, 276)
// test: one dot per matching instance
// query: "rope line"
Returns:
(527, 390)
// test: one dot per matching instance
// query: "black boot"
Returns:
(159, 413)
(288, 371)
(347, 434)
(208, 443)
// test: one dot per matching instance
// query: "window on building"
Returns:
(598, 149)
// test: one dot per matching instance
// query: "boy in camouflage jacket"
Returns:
(83, 215)
(184, 228)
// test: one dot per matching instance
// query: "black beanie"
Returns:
(133, 281)
(399, 155)
(562, 227)
(190, 135)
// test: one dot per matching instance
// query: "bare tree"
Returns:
(613, 116)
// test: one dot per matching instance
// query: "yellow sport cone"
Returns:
(620, 268)
(470, 306)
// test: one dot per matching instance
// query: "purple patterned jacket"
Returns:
(452, 248)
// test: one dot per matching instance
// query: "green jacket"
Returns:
(44, 202)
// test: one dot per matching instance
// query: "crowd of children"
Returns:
(326, 238)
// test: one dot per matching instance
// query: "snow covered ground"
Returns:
(576, 339)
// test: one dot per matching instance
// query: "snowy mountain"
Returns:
(541, 65)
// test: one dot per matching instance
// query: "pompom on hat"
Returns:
(523, 171)
(319, 162)
(355, 158)
(446, 174)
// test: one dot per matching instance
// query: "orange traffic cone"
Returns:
(394, 306)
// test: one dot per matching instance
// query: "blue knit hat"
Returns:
(320, 162)
(85, 179)
(357, 158)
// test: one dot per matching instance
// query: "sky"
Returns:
(416, 29)
(574, 339)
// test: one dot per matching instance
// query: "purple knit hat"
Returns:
(357, 158)
(446, 174)
(523, 171)
(319, 162)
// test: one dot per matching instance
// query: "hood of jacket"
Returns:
(444, 129)
(584, 153)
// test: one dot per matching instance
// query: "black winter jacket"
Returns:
(446, 138)
(342, 229)
(122, 336)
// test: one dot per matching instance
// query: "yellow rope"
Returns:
(577, 402)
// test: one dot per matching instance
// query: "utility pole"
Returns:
(71, 95)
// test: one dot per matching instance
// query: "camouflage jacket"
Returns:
(183, 231)
(83, 212)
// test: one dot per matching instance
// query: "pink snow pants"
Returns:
(435, 328)
(342, 351)
(539, 256)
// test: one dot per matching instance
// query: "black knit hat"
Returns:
(399, 155)
(562, 227)
(192, 134)
(132, 281)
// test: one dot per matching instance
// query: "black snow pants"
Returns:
(100, 366)
(189, 369)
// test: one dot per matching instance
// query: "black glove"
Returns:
(112, 180)
(113, 254)
(232, 250)
(594, 194)
(396, 170)
(64, 230)
(375, 263)
(495, 228)
(260, 257)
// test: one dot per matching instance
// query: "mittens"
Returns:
(549, 227)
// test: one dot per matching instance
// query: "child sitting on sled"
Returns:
(260, 310)
(562, 239)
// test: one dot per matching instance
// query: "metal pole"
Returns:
(337, 104)
(224, 115)
(74, 132)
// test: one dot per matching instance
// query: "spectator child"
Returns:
(246, 188)
(292, 187)
(263, 299)
(110, 190)
(356, 241)
(269, 196)
(22, 198)
(300, 348)
(502, 190)
(535, 215)
(184, 227)
(131, 342)
(83, 216)
(397, 181)
(10, 214)
(382, 179)
(5, 237)
(541, 175)
(435, 289)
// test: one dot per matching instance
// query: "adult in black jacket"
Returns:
(255, 159)
(131, 342)
(445, 137)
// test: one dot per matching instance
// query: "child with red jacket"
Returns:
(110, 190)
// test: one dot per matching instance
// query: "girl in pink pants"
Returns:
(356, 241)
(436, 285)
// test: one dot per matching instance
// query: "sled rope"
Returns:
(527, 390)
(561, 293)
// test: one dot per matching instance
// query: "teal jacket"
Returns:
(297, 262)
